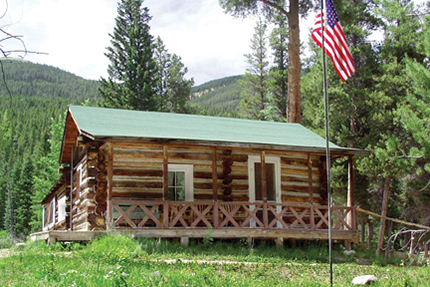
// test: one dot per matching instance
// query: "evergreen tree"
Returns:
(290, 9)
(279, 72)
(173, 90)
(414, 116)
(24, 199)
(255, 84)
(131, 83)
(46, 172)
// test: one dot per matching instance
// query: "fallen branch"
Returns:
(394, 219)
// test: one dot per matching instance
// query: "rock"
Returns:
(362, 261)
(400, 255)
(20, 244)
(348, 252)
(364, 280)
(156, 274)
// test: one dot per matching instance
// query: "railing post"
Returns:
(216, 215)
(166, 214)
(265, 215)
(312, 218)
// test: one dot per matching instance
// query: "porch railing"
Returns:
(220, 215)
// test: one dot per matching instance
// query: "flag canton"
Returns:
(332, 17)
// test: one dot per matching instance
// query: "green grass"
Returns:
(122, 261)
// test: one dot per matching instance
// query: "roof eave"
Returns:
(336, 151)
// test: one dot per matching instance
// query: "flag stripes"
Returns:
(335, 44)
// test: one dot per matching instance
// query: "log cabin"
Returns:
(185, 176)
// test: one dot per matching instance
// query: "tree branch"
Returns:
(276, 6)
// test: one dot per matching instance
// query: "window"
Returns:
(273, 178)
(49, 215)
(62, 209)
(180, 182)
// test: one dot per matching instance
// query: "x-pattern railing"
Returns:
(219, 215)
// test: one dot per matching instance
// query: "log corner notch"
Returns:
(109, 187)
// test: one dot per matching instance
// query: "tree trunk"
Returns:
(294, 110)
(383, 214)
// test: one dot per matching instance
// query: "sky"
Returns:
(75, 34)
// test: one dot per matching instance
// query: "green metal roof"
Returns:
(112, 123)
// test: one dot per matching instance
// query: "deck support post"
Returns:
(51, 240)
(165, 187)
(264, 188)
(215, 188)
(311, 192)
(347, 244)
(279, 242)
(350, 202)
(71, 191)
(109, 217)
(185, 241)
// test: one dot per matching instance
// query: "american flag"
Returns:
(335, 42)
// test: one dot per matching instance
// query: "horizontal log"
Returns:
(101, 177)
(135, 154)
(96, 220)
(93, 154)
(239, 158)
(101, 167)
(138, 195)
(189, 156)
(201, 185)
(100, 198)
(139, 184)
(287, 178)
(297, 172)
(286, 187)
(295, 199)
(208, 175)
(92, 163)
(126, 172)
(92, 172)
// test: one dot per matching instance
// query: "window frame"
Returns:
(252, 159)
(61, 209)
(188, 169)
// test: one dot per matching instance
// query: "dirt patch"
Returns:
(6, 253)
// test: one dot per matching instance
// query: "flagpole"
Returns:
(327, 142)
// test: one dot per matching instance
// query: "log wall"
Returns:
(138, 173)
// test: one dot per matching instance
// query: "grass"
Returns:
(123, 261)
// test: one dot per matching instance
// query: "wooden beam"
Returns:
(214, 175)
(350, 201)
(394, 219)
(263, 175)
(109, 216)
(165, 173)
(311, 191)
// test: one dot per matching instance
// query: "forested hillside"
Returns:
(218, 97)
(32, 99)
(29, 79)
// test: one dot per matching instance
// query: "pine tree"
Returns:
(23, 199)
(414, 116)
(131, 83)
(255, 84)
(279, 72)
(46, 173)
(173, 90)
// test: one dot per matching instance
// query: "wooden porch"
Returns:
(232, 220)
